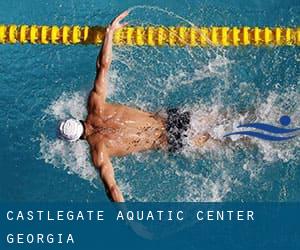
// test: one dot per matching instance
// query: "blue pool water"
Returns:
(42, 84)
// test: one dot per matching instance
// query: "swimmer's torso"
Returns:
(124, 130)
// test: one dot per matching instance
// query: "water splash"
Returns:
(192, 185)
(74, 158)
(215, 85)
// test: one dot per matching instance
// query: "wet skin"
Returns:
(112, 129)
(118, 130)
(123, 130)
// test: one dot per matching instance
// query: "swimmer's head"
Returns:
(70, 129)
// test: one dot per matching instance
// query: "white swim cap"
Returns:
(70, 130)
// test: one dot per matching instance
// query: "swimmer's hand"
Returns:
(115, 24)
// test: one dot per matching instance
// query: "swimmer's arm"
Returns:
(102, 65)
(103, 164)
(105, 56)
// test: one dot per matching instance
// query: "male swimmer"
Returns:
(117, 130)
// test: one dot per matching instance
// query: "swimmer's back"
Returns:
(126, 130)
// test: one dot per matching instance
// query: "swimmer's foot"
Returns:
(200, 140)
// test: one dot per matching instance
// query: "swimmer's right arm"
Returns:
(105, 56)
(103, 164)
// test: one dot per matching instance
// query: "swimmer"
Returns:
(114, 130)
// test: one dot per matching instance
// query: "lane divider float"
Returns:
(152, 35)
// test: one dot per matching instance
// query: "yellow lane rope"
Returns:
(152, 35)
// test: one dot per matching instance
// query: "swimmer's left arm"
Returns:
(105, 56)
(103, 164)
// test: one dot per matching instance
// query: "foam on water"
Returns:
(211, 189)
(73, 157)
(202, 82)
(193, 186)
(218, 120)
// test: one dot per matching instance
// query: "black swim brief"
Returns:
(177, 125)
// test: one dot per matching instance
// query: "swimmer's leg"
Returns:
(200, 140)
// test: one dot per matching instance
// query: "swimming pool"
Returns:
(42, 84)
